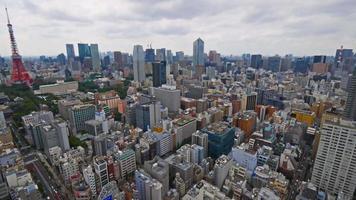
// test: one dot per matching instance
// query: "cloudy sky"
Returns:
(300, 27)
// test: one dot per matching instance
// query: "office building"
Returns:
(198, 52)
(70, 51)
(127, 162)
(246, 121)
(49, 137)
(184, 127)
(350, 107)
(150, 55)
(100, 145)
(204, 190)
(319, 59)
(159, 73)
(101, 171)
(118, 60)
(160, 55)
(79, 114)
(89, 178)
(180, 56)
(62, 134)
(95, 57)
(83, 51)
(59, 88)
(249, 101)
(256, 61)
(169, 97)
(274, 63)
(64, 106)
(245, 156)
(159, 169)
(335, 164)
(200, 138)
(221, 169)
(220, 138)
(301, 65)
(148, 115)
(147, 187)
(139, 63)
(169, 57)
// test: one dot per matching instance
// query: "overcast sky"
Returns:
(300, 27)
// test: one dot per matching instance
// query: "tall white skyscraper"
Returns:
(94, 50)
(139, 63)
(335, 164)
(198, 52)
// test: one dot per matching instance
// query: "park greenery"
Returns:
(75, 142)
(30, 102)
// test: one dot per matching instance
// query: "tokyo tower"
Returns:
(19, 74)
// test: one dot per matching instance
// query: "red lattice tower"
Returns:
(19, 74)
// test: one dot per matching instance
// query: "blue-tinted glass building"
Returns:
(150, 55)
(301, 65)
(220, 138)
(159, 73)
(84, 51)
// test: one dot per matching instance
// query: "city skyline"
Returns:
(230, 27)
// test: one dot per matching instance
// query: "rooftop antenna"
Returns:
(7, 15)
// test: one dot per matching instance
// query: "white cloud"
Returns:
(43, 27)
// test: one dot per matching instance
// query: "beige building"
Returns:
(58, 88)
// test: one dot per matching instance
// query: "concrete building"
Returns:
(201, 139)
(64, 106)
(350, 108)
(127, 162)
(58, 88)
(183, 128)
(245, 157)
(335, 164)
(62, 134)
(168, 96)
(49, 137)
(206, 191)
(221, 169)
(79, 114)
(101, 171)
(147, 188)
(159, 169)
(148, 115)
(89, 178)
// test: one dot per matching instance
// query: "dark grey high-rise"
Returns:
(350, 108)
(159, 73)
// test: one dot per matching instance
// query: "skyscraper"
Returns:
(335, 164)
(70, 51)
(118, 59)
(301, 65)
(274, 63)
(180, 55)
(169, 57)
(256, 61)
(83, 51)
(160, 54)
(139, 63)
(350, 108)
(150, 55)
(198, 52)
(159, 73)
(95, 57)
